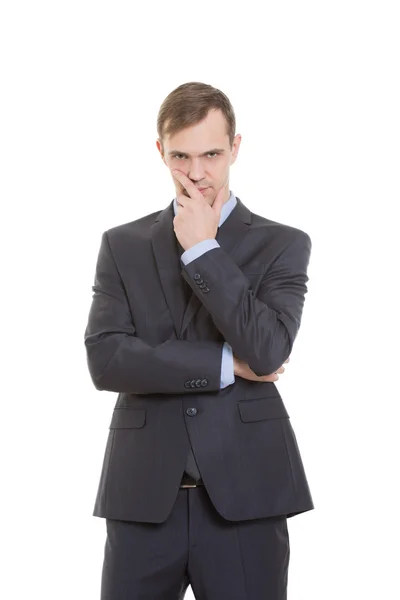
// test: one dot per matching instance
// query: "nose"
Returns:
(196, 170)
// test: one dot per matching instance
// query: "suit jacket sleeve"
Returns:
(227, 367)
(119, 361)
(260, 328)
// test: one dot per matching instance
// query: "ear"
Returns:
(235, 147)
(160, 149)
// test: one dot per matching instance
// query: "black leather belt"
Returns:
(190, 482)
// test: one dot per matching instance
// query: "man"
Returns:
(194, 313)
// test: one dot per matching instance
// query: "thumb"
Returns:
(219, 201)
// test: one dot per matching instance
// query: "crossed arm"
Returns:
(261, 330)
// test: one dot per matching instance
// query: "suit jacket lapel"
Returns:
(166, 256)
(229, 236)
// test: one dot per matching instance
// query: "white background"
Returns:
(315, 87)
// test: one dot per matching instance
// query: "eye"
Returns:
(178, 156)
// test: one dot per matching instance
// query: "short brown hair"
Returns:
(189, 104)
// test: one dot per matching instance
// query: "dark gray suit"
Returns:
(165, 363)
(163, 357)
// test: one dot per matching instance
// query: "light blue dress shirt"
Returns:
(227, 372)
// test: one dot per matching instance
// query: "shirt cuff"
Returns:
(227, 371)
(198, 249)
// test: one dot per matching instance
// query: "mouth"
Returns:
(202, 189)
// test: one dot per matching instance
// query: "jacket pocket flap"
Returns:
(262, 408)
(126, 418)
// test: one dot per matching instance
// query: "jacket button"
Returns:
(199, 282)
(206, 289)
(187, 384)
(204, 382)
(198, 382)
(191, 411)
(197, 276)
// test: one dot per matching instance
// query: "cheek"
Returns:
(217, 171)
(220, 174)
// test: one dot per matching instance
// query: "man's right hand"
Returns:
(243, 370)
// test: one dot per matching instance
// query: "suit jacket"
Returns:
(163, 358)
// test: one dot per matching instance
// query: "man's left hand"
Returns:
(196, 220)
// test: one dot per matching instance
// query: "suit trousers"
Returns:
(220, 559)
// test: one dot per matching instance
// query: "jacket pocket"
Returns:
(260, 409)
(128, 418)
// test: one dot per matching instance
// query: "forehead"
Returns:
(209, 133)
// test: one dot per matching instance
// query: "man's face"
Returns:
(203, 154)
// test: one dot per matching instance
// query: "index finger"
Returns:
(187, 184)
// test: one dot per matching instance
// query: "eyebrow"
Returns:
(219, 150)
